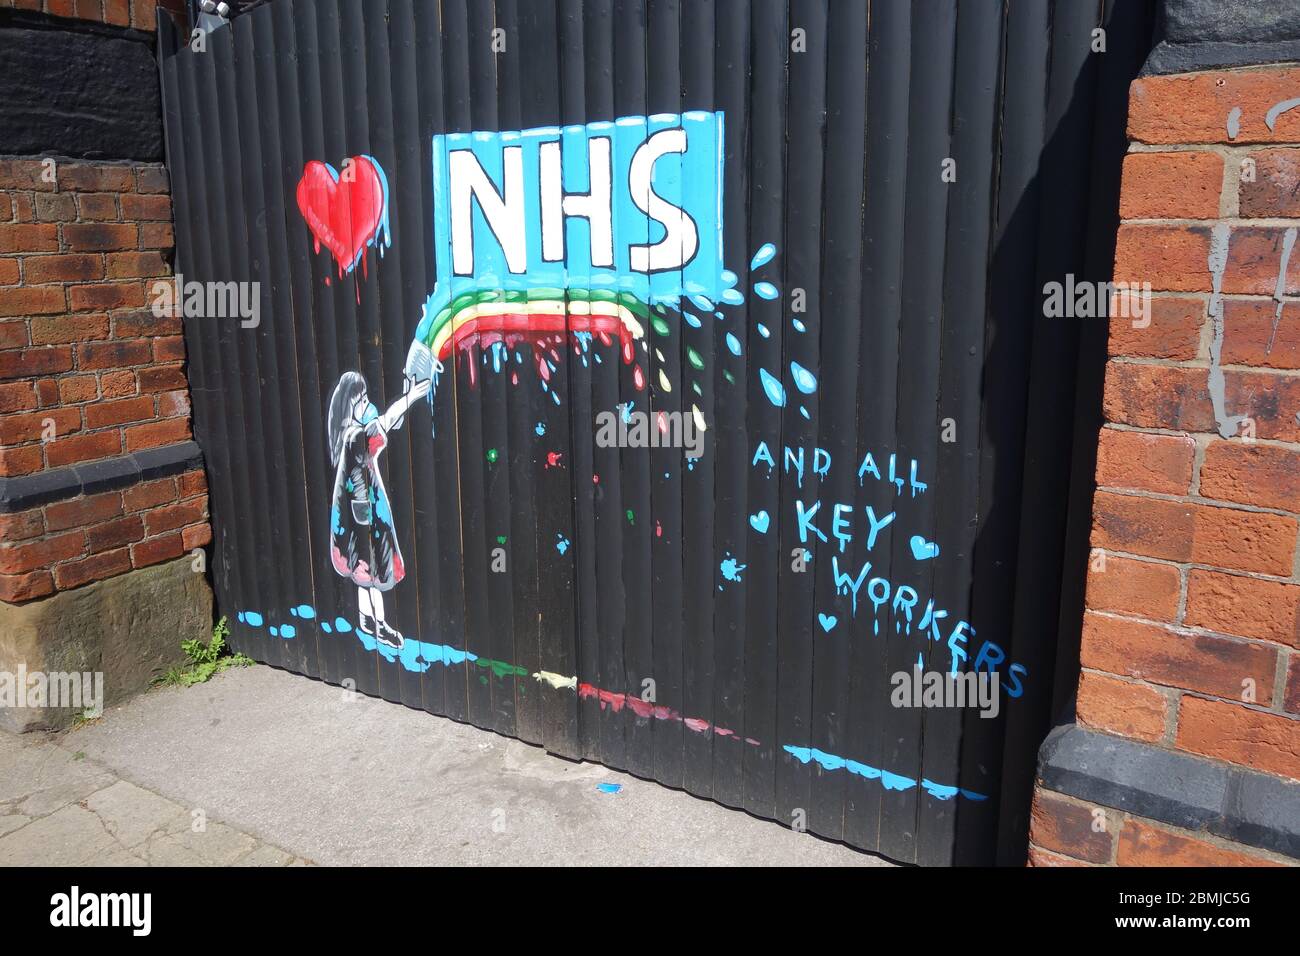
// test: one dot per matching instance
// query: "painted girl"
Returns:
(363, 542)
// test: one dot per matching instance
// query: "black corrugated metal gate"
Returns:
(809, 237)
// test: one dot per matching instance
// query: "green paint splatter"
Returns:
(693, 357)
(501, 539)
(501, 668)
(729, 377)
(631, 518)
(659, 325)
(696, 386)
(492, 456)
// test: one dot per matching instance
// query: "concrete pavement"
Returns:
(283, 769)
(60, 808)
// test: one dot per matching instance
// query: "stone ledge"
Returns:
(92, 477)
(1167, 786)
(128, 627)
(1210, 34)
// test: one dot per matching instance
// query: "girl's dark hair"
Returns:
(350, 385)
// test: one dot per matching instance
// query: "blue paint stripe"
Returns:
(890, 781)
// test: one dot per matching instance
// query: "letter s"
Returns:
(681, 237)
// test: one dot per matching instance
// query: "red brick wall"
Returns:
(87, 371)
(1191, 637)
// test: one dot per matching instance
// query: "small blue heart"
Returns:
(759, 522)
(923, 550)
(827, 621)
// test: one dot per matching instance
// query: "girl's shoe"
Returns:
(367, 625)
(386, 635)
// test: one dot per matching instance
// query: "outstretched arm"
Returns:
(391, 418)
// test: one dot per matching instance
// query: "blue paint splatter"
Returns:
(325, 626)
(342, 625)
(609, 787)
(561, 543)
(938, 790)
(764, 255)
(798, 326)
(701, 303)
(765, 290)
(288, 631)
(692, 320)
(804, 380)
(305, 611)
(774, 389)
(541, 428)
(733, 343)
(444, 654)
(890, 781)
(415, 655)
(252, 618)
(275, 631)
(731, 568)
(732, 297)
(762, 330)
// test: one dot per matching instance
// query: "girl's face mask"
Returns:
(363, 411)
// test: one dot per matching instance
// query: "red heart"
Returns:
(345, 214)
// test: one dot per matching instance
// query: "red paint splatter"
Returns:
(546, 334)
(643, 708)
(553, 459)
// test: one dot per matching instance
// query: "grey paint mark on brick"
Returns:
(1234, 122)
(1270, 118)
(1218, 262)
(1279, 291)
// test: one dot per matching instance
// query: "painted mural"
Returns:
(582, 243)
(604, 388)
(573, 233)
